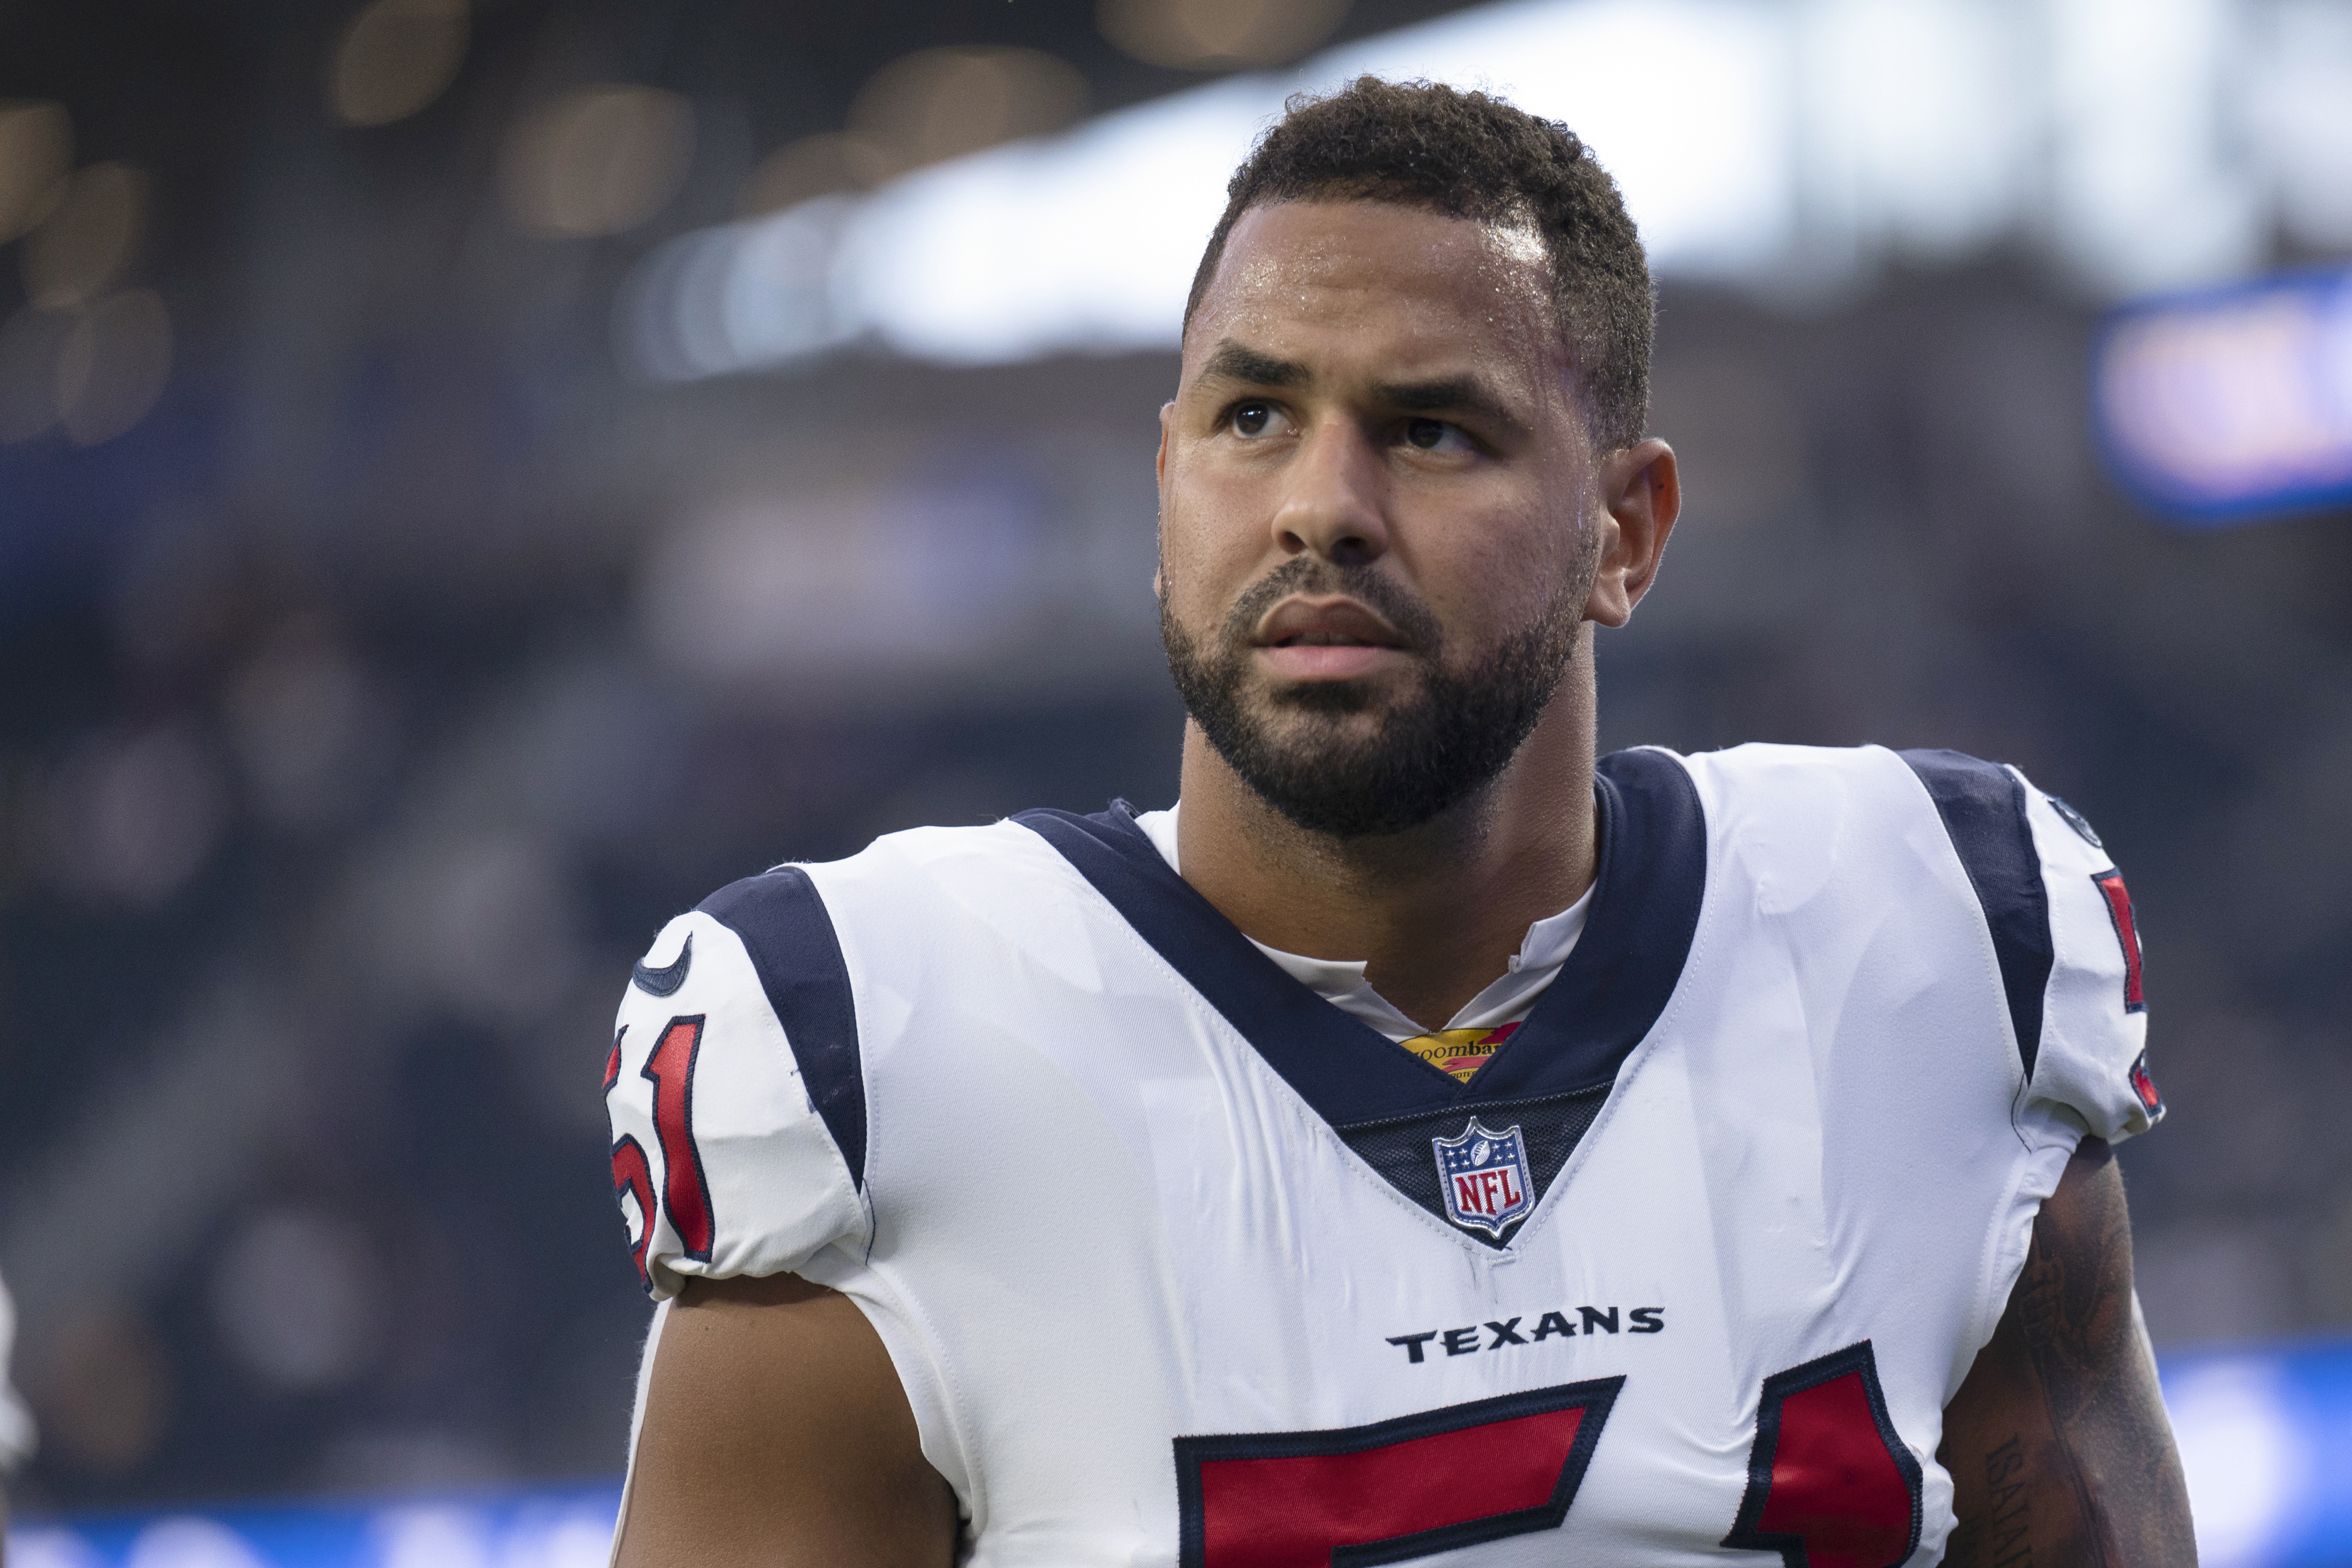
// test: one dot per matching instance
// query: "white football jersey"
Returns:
(1180, 1264)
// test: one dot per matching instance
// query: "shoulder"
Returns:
(1759, 778)
(1784, 807)
(916, 874)
(1978, 839)
(911, 865)
(1868, 799)
(737, 1080)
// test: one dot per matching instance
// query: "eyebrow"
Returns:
(1465, 393)
(1239, 363)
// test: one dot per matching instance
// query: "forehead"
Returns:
(1374, 277)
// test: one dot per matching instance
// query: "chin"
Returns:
(1323, 697)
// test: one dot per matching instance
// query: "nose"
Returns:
(1332, 496)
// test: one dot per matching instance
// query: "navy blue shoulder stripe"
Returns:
(797, 956)
(1983, 808)
(1346, 1070)
(1650, 881)
(1648, 888)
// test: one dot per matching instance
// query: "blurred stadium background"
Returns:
(475, 476)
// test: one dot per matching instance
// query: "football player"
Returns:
(1428, 1140)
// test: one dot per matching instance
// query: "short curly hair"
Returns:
(1470, 155)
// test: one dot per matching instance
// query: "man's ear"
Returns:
(1643, 494)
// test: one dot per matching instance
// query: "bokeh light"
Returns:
(1209, 35)
(394, 58)
(32, 350)
(36, 150)
(2241, 1454)
(191, 1542)
(298, 1298)
(2218, 403)
(103, 1390)
(127, 818)
(89, 239)
(944, 104)
(313, 735)
(598, 161)
(112, 365)
(811, 167)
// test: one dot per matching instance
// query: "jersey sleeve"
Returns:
(2093, 1057)
(732, 1084)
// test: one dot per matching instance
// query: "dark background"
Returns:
(367, 705)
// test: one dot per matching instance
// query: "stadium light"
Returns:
(1788, 148)
(2216, 406)
(1086, 241)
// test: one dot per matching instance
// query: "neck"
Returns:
(1435, 912)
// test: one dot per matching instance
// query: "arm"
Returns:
(2058, 1444)
(776, 1434)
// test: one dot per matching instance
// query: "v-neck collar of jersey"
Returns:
(1648, 883)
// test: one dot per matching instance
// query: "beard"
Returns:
(1446, 740)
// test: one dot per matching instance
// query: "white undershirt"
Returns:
(1341, 982)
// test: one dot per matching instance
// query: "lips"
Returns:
(1325, 640)
(1325, 623)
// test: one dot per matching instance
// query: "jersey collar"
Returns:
(1648, 884)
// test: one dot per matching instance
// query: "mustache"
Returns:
(1414, 620)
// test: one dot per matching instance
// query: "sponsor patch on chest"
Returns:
(1484, 1176)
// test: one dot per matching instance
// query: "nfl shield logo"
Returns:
(1484, 1174)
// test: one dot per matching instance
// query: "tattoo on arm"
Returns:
(2076, 1324)
(2057, 1442)
(2008, 1521)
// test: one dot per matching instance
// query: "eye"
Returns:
(1255, 419)
(1436, 435)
